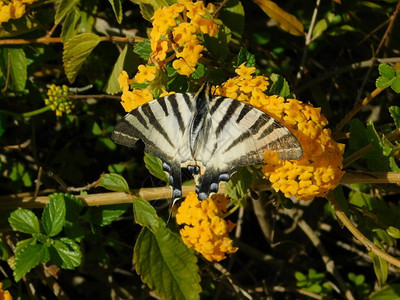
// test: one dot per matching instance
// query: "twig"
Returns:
(371, 247)
(27, 200)
(219, 7)
(356, 109)
(49, 40)
(308, 40)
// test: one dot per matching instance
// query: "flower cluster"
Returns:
(13, 9)
(320, 168)
(4, 295)
(204, 229)
(130, 99)
(57, 102)
(176, 30)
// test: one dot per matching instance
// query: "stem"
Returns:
(26, 114)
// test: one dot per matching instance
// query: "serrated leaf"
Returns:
(382, 82)
(13, 62)
(247, 57)
(106, 214)
(238, 185)
(155, 167)
(64, 8)
(114, 182)
(76, 50)
(166, 265)
(232, 16)
(66, 253)
(199, 72)
(381, 268)
(279, 86)
(73, 207)
(143, 49)
(285, 21)
(396, 85)
(128, 61)
(24, 220)
(148, 7)
(389, 292)
(145, 214)
(117, 8)
(53, 217)
(395, 113)
(70, 25)
(28, 257)
(386, 71)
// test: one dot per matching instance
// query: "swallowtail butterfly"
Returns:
(211, 136)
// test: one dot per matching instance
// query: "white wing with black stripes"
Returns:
(212, 136)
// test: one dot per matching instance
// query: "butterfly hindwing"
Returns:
(241, 135)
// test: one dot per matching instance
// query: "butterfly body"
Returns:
(211, 136)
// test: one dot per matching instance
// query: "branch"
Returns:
(371, 247)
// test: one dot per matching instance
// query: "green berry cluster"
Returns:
(57, 102)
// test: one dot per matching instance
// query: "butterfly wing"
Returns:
(238, 134)
(162, 125)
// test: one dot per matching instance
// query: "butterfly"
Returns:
(212, 136)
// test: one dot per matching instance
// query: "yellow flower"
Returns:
(124, 81)
(146, 73)
(204, 229)
(4, 295)
(13, 9)
(133, 99)
(320, 168)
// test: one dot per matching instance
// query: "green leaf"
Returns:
(28, 257)
(73, 207)
(386, 71)
(64, 8)
(389, 292)
(382, 82)
(279, 86)
(66, 253)
(232, 16)
(166, 265)
(24, 220)
(218, 46)
(395, 113)
(393, 232)
(381, 268)
(13, 62)
(128, 61)
(76, 50)
(319, 28)
(148, 7)
(117, 8)
(53, 217)
(199, 72)
(105, 215)
(238, 185)
(247, 57)
(396, 85)
(155, 167)
(145, 214)
(114, 182)
(143, 49)
(70, 25)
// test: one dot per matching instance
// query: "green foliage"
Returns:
(313, 282)
(389, 77)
